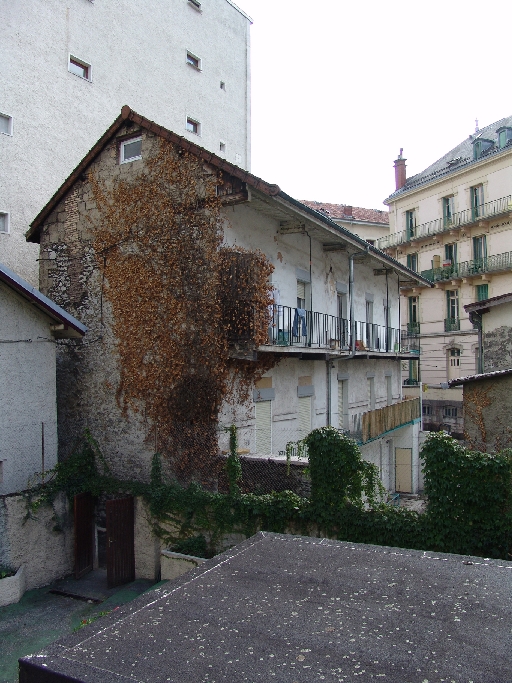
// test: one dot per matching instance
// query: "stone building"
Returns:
(30, 325)
(68, 68)
(452, 224)
(166, 252)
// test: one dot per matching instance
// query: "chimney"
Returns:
(347, 212)
(400, 172)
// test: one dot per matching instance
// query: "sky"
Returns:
(339, 86)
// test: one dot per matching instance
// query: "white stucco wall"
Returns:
(137, 52)
(27, 393)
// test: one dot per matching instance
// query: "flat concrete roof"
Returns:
(292, 609)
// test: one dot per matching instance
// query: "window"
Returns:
(450, 255)
(301, 294)
(426, 410)
(342, 306)
(480, 146)
(79, 68)
(410, 223)
(194, 61)
(412, 262)
(222, 85)
(4, 222)
(449, 411)
(195, 4)
(304, 416)
(263, 427)
(479, 249)
(454, 358)
(413, 326)
(343, 404)
(222, 146)
(504, 137)
(477, 200)
(130, 150)
(5, 124)
(482, 292)
(452, 310)
(369, 311)
(448, 210)
(193, 126)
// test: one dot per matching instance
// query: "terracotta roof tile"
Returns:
(347, 212)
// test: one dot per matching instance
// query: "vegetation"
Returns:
(6, 571)
(469, 500)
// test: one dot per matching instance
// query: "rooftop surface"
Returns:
(349, 213)
(295, 609)
(459, 157)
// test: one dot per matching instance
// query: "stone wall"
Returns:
(498, 349)
(42, 542)
(490, 398)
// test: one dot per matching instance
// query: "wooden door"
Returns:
(120, 542)
(84, 533)
(403, 469)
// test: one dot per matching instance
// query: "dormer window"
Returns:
(504, 136)
(480, 146)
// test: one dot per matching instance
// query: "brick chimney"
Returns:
(400, 172)
(347, 212)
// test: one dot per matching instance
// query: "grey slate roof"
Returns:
(72, 327)
(460, 156)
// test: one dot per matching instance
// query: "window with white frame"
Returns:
(130, 150)
(222, 147)
(194, 60)
(193, 126)
(79, 68)
(4, 222)
(5, 124)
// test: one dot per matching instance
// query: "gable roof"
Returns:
(71, 326)
(459, 157)
(269, 189)
(337, 212)
(475, 378)
(488, 303)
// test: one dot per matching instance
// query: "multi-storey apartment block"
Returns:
(68, 68)
(453, 224)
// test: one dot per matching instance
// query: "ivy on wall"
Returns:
(179, 299)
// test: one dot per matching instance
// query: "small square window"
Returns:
(5, 124)
(79, 68)
(131, 150)
(193, 60)
(193, 126)
(222, 85)
(4, 222)
(222, 146)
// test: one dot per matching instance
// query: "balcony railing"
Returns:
(457, 220)
(488, 264)
(298, 327)
(382, 420)
(451, 324)
(413, 328)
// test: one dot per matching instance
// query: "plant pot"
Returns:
(12, 587)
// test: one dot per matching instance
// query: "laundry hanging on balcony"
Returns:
(298, 318)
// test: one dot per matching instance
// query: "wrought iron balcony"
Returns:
(413, 328)
(451, 324)
(298, 327)
(489, 264)
(457, 220)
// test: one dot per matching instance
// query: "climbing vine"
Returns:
(180, 300)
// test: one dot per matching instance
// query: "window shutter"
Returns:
(264, 427)
(301, 290)
(304, 416)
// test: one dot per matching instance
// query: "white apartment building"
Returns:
(68, 68)
(453, 224)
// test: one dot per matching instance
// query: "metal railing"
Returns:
(298, 327)
(456, 220)
(451, 324)
(487, 264)
(413, 328)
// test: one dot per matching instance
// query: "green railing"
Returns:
(488, 264)
(413, 328)
(457, 220)
(451, 324)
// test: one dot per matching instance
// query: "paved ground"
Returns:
(42, 616)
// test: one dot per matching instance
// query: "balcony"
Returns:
(440, 225)
(413, 329)
(489, 264)
(294, 327)
(374, 423)
(451, 324)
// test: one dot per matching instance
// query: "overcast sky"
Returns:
(338, 86)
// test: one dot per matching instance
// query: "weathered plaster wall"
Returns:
(495, 417)
(137, 52)
(498, 348)
(43, 542)
(27, 398)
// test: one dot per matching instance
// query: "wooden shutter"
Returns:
(304, 416)
(264, 427)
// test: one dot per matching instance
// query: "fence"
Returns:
(377, 422)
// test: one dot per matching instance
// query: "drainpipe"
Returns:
(400, 338)
(351, 295)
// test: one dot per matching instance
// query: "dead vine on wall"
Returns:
(174, 300)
